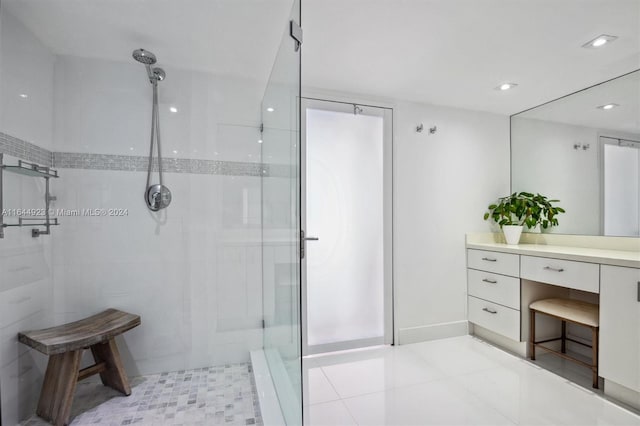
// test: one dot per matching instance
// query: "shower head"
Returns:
(144, 56)
(147, 59)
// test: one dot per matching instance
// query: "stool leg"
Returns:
(594, 343)
(59, 387)
(563, 348)
(532, 334)
(114, 376)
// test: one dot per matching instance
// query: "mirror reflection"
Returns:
(584, 149)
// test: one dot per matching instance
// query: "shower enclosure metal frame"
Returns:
(390, 332)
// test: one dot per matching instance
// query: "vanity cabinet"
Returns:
(620, 325)
(494, 291)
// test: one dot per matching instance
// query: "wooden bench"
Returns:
(567, 310)
(64, 344)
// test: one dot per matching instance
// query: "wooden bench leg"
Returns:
(114, 375)
(532, 334)
(59, 387)
(594, 345)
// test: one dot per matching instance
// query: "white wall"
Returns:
(104, 106)
(546, 162)
(26, 67)
(442, 185)
(192, 271)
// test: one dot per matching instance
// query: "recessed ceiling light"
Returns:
(175, 152)
(131, 149)
(259, 140)
(23, 95)
(599, 41)
(270, 109)
(173, 109)
(506, 86)
(607, 107)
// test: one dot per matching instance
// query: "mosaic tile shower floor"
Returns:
(207, 396)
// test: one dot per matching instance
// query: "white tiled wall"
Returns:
(193, 271)
(104, 107)
(26, 67)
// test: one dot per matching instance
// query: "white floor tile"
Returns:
(461, 355)
(328, 414)
(452, 381)
(442, 402)
(380, 370)
(317, 387)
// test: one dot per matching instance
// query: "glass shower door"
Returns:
(281, 226)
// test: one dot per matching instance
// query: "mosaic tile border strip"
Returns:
(74, 160)
(132, 163)
(25, 150)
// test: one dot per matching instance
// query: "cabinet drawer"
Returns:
(494, 317)
(496, 288)
(493, 261)
(565, 273)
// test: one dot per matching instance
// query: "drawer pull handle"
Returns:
(549, 268)
(489, 259)
(487, 280)
(489, 310)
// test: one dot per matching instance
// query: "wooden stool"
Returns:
(64, 345)
(566, 310)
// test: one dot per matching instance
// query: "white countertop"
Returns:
(581, 254)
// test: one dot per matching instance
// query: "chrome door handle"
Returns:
(549, 268)
(303, 240)
(489, 310)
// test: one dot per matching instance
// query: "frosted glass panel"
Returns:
(345, 267)
(621, 190)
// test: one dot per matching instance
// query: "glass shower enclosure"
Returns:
(280, 145)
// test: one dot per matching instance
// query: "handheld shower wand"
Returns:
(157, 196)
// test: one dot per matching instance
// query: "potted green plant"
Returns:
(520, 209)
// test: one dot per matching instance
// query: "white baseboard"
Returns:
(518, 348)
(432, 332)
(622, 394)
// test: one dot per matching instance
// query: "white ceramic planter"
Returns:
(512, 234)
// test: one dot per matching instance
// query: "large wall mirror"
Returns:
(584, 149)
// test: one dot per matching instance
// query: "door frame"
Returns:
(603, 140)
(388, 203)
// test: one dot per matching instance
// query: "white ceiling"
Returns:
(229, 37)
(454, 52)
(447, 52)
